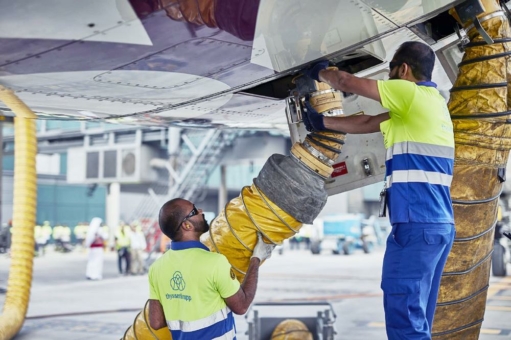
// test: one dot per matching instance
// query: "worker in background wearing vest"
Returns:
(66, 237)
(37, 237)
(57, 237)
(194, 291)
(419, 139)
(138, 245)
(47, 231)
(122, 243)
(80, 232)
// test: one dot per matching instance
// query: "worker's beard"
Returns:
(204, 226)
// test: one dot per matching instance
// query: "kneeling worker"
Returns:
(193, 291)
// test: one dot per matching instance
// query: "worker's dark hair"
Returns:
(171, 213)
(419, 56)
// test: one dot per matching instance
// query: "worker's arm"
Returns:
(352, 124)
(346, 82)
(356, 123)
(343, 81)
(156, 315)
(240, 301)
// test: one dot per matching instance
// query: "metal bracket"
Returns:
(462, 35)
(293, 110)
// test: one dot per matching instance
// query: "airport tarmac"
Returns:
(64, 305)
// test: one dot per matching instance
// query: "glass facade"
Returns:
(69, 204)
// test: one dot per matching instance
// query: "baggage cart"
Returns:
(263, 318)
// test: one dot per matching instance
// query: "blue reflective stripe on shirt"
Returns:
(418, 162)
(214, 331)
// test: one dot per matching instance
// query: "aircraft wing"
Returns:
(193, 63)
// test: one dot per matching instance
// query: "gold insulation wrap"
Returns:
(483, 141)
(233, 232)
(140, 329)
(25, 200)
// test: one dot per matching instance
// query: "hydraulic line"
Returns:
(25, 200)
(288, 192)
(480, 109)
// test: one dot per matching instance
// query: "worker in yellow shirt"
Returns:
(122, 243)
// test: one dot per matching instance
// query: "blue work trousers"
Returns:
(412, 268)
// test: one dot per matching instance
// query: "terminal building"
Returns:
(124, 173)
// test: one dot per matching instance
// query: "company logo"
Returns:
(177, 282)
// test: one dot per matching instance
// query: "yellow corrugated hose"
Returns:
(25, 194)
(479, 107)
(233, 232)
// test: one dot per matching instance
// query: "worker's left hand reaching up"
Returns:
(262, 250)
(240, 301)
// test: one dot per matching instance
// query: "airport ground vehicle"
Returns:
(263, 318)
(344, 234)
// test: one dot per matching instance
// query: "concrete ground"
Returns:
(64, 305)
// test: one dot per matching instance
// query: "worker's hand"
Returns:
(262, 250)
(312, 119)
(313, 70)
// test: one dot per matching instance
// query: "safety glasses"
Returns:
(192, 213)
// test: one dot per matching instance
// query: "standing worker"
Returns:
(47, 232)
(38, 239)
(138, 245)
(419, 140)
(203, 291)
(94, 240)
(80, 233)
(122, 242)
(66, 238)
(57, 237)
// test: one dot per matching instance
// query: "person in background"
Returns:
(122, 243)
(65, 238)
(80, 232)
(57, 237)
(95, 242)
(41, 239)
(47, 232)
(138, 245)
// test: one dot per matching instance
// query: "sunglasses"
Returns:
(192, 213)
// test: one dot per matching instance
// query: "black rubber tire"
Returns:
(498, 263)
(348, 248)
(367, 246)
(315, 248)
